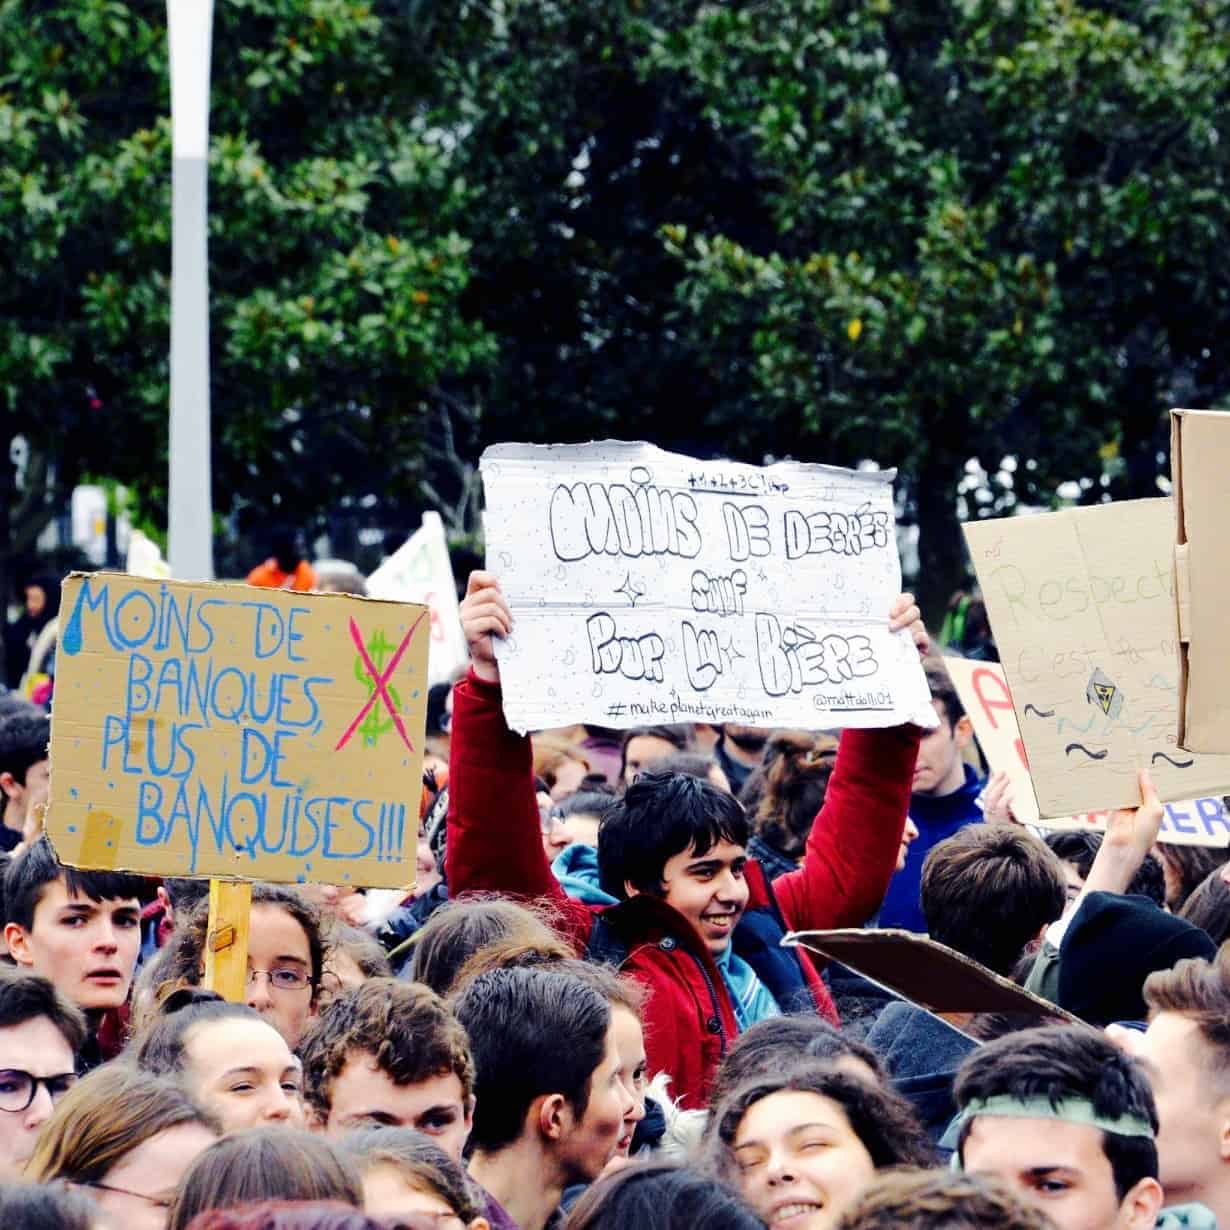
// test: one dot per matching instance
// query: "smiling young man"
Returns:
(40, 1035)
(696, 920)
(81, 930)
(390, 1053)
(1067, 1121)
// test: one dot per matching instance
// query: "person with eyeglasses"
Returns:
(228, 1058)
(41, 1034)
(286, 955)
(125, 1138)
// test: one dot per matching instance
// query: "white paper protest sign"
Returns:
(647, 587)
(421, 571)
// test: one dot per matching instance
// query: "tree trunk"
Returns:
(941, 546)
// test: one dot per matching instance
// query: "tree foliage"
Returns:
(820, 228)
(999, 231)
(337, 256)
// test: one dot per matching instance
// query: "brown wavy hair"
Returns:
(798, 765)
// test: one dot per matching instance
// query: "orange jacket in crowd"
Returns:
(269, 576)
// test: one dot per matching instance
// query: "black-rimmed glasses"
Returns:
(17, 1088)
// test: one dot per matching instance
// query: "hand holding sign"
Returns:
(484, 614)
(905, 615)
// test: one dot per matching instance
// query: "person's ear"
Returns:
(552, 1116)
(12, 788)
(1141, 1205)
(631, 889)
(165, 899)
(1036, 943)
(1223, 1131)
(962, 731)
(469, 1113)
(17, 939)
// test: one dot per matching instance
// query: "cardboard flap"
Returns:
(1200, 460)
(925, 972)
(1183, 592)
(1082, 605)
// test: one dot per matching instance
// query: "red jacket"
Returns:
(495, 845)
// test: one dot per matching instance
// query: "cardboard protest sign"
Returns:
(420, 571)
(984, 693)
(647, 587)
(924, 971)
(1082, 606)
(220, 730)
(1199, 457)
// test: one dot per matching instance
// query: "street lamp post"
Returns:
(190, 26)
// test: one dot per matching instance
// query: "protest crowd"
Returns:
(583, 1014)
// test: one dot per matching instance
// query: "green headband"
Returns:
(1069, 1110)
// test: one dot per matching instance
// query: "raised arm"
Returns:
(852, 848)
(494, 830)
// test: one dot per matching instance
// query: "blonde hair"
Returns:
(551, 753)
(104, 1118)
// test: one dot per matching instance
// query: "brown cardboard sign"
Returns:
(925, 972)
(1199, 462)
(1082, 605)
(987, 699)
(227, 731)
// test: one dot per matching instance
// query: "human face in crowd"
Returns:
(26, 803)
(800, 1164)
(138, 1190)
(908, 834)
(594, 1138)
(641, 754)
(36, 600)
(243, 1071)
(1060, 1168)
(939, 770)
(388, 1193)
(278, 954)
(35, 1047)
(561, 832)
(363, 1095)
(1192, 1104)
(633, 1071)
(88, 949)
(568, 778)
(708, 889)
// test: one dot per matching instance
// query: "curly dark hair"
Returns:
(404, 1026)
(879, 1117)
(784, 1041)
(185, 963)
(798, 765)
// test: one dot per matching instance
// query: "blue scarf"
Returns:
(752, 1000)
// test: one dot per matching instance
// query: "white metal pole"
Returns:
(190, 27)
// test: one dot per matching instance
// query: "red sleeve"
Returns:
(494, 833)
(852, 850)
